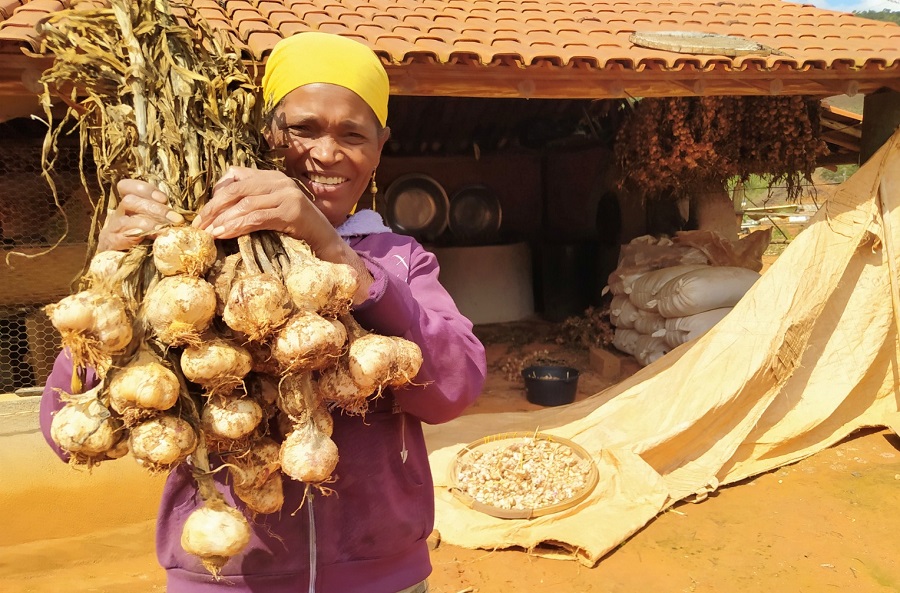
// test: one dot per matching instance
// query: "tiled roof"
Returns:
(574, 35)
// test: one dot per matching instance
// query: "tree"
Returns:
(891, 16)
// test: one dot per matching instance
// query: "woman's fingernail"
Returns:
(197, 220)
(218, 231)
(174, 217)
(160, 227)
(159, 196)
(133, 232)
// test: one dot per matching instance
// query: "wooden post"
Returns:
(881, 117)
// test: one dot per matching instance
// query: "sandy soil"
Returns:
(828, 523)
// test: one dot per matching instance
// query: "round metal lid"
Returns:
(475, 214)
(418, 206)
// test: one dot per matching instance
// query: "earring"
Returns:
(373, 189)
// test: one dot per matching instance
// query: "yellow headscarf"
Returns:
(307, 58)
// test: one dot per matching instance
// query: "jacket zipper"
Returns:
(312, 542)
(403, 452)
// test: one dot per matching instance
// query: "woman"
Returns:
(330, 96)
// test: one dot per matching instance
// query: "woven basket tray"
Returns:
(507, 438)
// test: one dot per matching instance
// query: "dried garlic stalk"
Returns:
(154, 94)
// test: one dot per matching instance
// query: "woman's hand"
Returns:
(142, 210)
(246, 200)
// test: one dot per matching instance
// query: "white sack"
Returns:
(675, 338)
(708, 288)
(699, 322)
(649, 322)
(652, 253)
(645, 289)
(647, 253)
(650, 349)
(626, 340)
(646, 349)
(622, 280)
(622, 312)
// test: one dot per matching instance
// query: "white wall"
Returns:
(41, 497)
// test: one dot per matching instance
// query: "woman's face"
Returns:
(330, 139)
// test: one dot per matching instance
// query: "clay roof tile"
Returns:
(370, 31)
(14, 32)
(436, 46)
(589, 33)
(419, 21)
(353, 19)
(245, 27)
(314, 18)
(262, 42)
(290, 28)
(397, 47)
(279, 18)
(386, 20)
(42, 6)
(241, 15)
(6, 9)
(334, 27)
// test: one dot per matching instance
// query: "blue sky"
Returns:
(851, 5)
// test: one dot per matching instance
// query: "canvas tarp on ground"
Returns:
(808, 356)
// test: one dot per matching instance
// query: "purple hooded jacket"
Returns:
(370, 534)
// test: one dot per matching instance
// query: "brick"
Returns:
(606, 363)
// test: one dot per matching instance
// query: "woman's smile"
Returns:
(332, 140)
(326, 180)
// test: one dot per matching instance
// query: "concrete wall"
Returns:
(42, 497)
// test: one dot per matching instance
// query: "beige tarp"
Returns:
(809, 355)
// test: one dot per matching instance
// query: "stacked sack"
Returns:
(667, 292)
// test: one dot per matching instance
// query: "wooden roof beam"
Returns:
(851, 88)
(19, 73)
(838, 158)
(773, 86)
(851, 129)
(842, 142)
(617, 81)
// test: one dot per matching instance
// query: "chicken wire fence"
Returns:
(33, 272)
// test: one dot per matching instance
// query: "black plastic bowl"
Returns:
(550, 385)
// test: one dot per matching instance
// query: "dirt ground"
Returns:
(828, 523)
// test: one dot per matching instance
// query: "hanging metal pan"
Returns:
(475, 215)
(418, 206)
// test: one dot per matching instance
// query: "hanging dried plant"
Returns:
(154, 94)
(666, 145)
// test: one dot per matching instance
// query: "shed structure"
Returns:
(482, 91)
